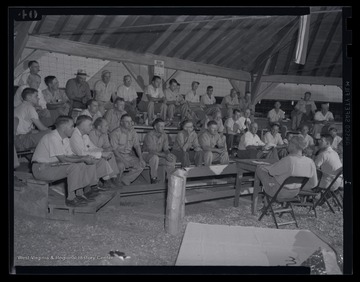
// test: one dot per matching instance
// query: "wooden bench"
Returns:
(38, 200)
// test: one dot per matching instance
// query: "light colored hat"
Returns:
(81, 72)
(105, 72)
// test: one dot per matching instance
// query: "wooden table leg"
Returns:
(238, 187)
(255, 194)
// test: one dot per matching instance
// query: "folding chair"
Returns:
(286, 203)
(308, 198)
(327, 194)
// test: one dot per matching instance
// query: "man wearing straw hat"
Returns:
(78, 90)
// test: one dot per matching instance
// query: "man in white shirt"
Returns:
(295, 164)
(322, 120)
(277, 115)
(34, 69)
(128, 93)
(92, 110)
(26, 136)
(33, 81)
(213, 145)
(208, 101)
(336, 144)
(251, 146)
(175, 101)
(229, 103)
(53, 160)
(232, 128)
(104, 89)
(303, 112)
(272, 139)
(328, 162)
(56, 100)
(310, 145)
(193, 100)
(153, 99)
(81, 145)
(245, 121)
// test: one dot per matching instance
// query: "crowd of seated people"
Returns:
(102, 147)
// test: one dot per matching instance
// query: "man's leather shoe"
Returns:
(108, 184)
(75, 203)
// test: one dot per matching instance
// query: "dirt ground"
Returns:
(136, 227)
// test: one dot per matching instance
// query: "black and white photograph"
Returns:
(180, 140)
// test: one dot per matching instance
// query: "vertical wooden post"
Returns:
(175, 204)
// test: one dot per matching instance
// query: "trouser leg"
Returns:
(198, 158)
(78, 175)
(208, 158)
(169, 166)
(153, 161)
(103, 168)
(182, 156)
(229, 141)
(163, 111)
(135, 170)
(170, 111)
(114, 167)
(224, 157)
(150, 110)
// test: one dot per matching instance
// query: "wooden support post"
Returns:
(175, 204)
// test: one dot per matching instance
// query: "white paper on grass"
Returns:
(205, 244)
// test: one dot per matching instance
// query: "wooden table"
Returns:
(250, 165)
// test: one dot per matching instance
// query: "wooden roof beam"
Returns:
(316, 80)
(100, 52)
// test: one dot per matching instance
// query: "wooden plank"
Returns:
(327, 43)
(209, 196)
(211, 170)
(303, 79)
(143, 188)
(100, 52)
(129, 21)
(242, 40)
(21, 39)
(219, 45)
(191, 38)
(166, 34)
(221, 28)
(172, 45)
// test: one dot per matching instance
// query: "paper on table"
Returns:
(257, 162)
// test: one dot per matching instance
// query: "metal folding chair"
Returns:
(308, 198)
(286, 203)
(327, 194)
